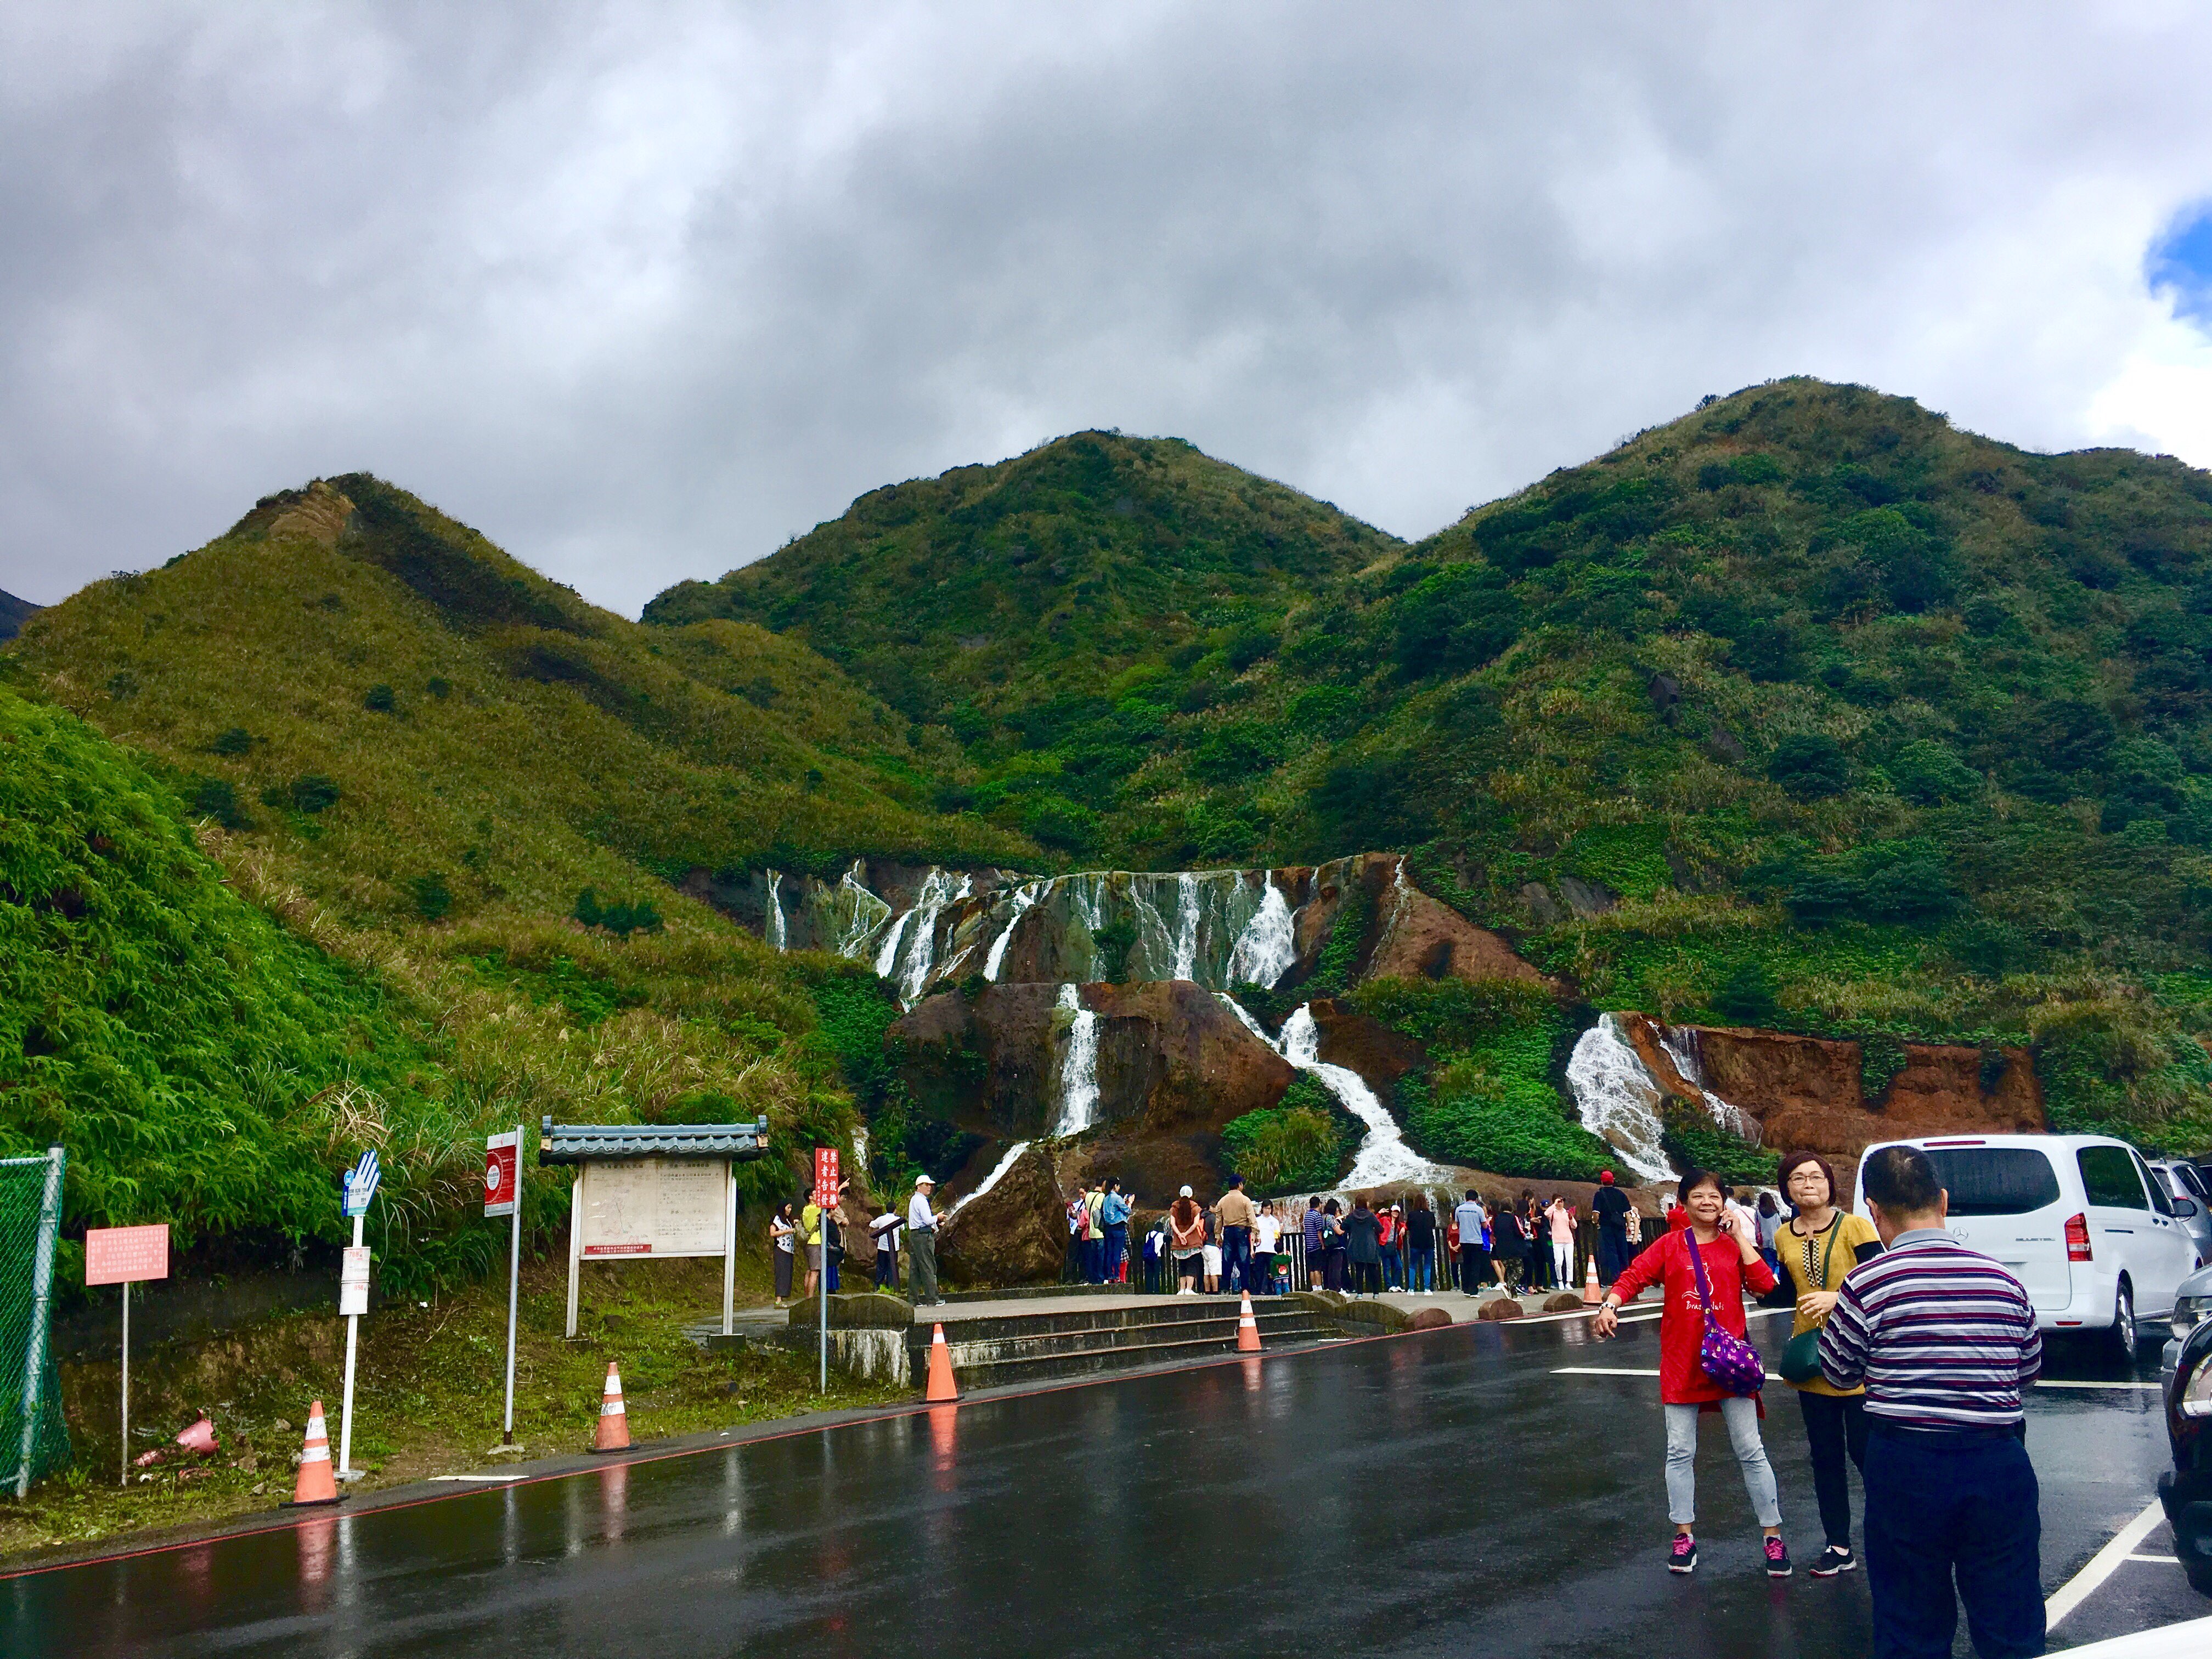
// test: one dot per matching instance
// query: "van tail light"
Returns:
(2077, 1238)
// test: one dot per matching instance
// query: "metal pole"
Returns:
(126, 1383)
(576, 1239)
(345, 1422)
(729, 1248)
(42, 1296)
(513, 1283)
(822, 1296)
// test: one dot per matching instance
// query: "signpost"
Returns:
(503, 1196)
(125, 1256)
(825, 1196)
(353, 1293)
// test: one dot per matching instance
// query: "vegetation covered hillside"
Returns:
(1060, 613)
(1807, 710)
(463, 791)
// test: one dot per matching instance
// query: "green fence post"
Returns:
(42, 1296)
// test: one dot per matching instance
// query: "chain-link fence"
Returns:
(34, 1439)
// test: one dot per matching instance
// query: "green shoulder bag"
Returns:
(1801, 1359)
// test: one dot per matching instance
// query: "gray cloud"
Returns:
(641, 292)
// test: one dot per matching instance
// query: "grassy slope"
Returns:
(534, 746)
(1937, 762)
(1056, 595)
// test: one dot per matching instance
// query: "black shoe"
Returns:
(1833, 1560)
(1778, 1558)
(1683, 1557)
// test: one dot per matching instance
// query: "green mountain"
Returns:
(1807, 710)
(13, 614)
(465, 792)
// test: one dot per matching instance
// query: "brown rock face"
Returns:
(1016, 1233)
(1807, 1092)
(1423, 939)
(1365, 1043)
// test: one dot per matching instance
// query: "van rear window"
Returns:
(1995, 1180)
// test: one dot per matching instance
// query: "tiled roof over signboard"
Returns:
(607, 1143)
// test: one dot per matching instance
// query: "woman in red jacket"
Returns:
(1731, 1258)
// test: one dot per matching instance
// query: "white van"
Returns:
(2089, 1233)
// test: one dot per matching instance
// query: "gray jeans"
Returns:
(1741, 1417)
(922, 1268)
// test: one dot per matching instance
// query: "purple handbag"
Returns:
(1732, 1363)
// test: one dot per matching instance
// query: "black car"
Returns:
(2187, 1492)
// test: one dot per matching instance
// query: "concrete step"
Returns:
(1025, 1351)
(1155, 1311)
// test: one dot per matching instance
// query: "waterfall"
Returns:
(991, 1180)
(863, 912)
(887, 953)
(1024, 896)
(1078, 1068)
(911, 967)
(1383, 1159)
(1266, 949)
(1680, 1044)
(1186, 949)
(774, 929)
(861, 1145)
(1617, 1097)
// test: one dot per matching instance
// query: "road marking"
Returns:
(476, 1477)
(2085, 1583)
(2059, 1382)
(2164, 1560)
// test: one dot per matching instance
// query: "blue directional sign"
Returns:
(360, 1184)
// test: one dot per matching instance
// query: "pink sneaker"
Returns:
(1683, 1558)
(1778, 1558)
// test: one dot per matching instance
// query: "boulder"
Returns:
(1563, 1301)
(1014, 1234)
(1504, 1307)
(1428, 1319)
(1365, 1043)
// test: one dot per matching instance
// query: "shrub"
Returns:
(236, 741)
(432, 898)
(1512, 1128)
(1809, 766)
(1284, 1149)
(1927, 773)
(1693, 1138)
(1113, 944)
(1888, 881)
(217, 798)
(310, 793)
(439, 688)
(1746, 994)
(379, 699)
(623, 919)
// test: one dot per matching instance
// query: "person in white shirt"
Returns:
(1269, 1228)
(921, 1224)
(884, 1230)
(1473, 1260)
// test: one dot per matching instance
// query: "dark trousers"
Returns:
(1367, 1276)
(1151, 1275)
(1094, 1260)
(1236, 1258)
(1332, 1270)
(1117, 1250)
(1471, 1273)
(1946, 1509)
(1612, 1253)
(921, 1264)
(887, 1270)
(1835, 1427)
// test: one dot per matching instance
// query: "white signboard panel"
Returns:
(353, 1282)
(655, 1207)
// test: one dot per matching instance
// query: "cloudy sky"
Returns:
(642, 291)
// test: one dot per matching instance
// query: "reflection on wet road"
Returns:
(1442, 1494)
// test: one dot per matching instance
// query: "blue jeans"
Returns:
(1424, 1274)
(1952, 1508)
(1117, 1248)
(1094, 1260)
(1394, 1269)
(1236, 1258)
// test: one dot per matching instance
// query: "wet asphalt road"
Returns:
(1445, 1493)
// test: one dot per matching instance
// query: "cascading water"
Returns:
(1383, 1159)
(1013, 1152)
(1078, 1107)
(773, 929)
(857, 913)
(1186, 905)
(1266, 949)
(911, 966)
(1681, 1046)
(1617, 1098)
(1024, 896)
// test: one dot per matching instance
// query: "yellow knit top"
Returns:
(1802, 1260)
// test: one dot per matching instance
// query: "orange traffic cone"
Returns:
(1590, 1295)
(614, 1421)
(940, 1368)
(1247, 1328)
(315, 1484)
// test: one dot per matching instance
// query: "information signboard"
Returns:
(825, 1176)
(125, 1256)
(655, 1207)
(353, 1282)
(503, 1172)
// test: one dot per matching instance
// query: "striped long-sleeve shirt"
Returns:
(1942, 1337)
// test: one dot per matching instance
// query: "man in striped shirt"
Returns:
(1944, 1339)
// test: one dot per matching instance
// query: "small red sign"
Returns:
(825, 1176)
(503, 1172)
(116, 1256)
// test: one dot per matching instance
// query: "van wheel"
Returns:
(2123, 1324)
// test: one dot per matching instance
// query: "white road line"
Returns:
(2085, 1583)
(2164, 1560)
(1622, 1371)
(2060, 1383)
(476, 1477)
